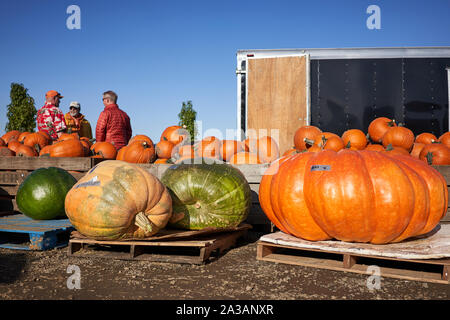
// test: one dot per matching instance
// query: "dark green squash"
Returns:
(42, 194)
(206, 195)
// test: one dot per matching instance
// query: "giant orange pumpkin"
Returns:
(118, 200)
(380, 198)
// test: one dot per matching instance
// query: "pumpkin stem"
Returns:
(389, 147)
(392, 123)
(348, 145)
(308, 141)
(142, 222)
(429, 157)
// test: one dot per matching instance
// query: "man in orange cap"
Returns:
(50, 118)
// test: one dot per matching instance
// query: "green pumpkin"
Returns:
(42, 194)
(207, 195)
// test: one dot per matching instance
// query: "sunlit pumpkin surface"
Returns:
(355, 196)
(104, 204)
(207, 195)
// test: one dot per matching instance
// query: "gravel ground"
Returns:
(236, 275)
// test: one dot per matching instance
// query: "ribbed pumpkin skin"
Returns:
(104, 203)
(355, 196)
(207, 195)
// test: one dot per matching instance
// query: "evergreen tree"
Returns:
(21, 112)
(187, 118)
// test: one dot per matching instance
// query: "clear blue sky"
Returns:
(157, 54)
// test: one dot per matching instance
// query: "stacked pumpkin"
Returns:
(383, 135)
(23, 144)
(34, 144)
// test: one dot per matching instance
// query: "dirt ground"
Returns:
(236, 275)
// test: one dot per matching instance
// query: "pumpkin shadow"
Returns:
(12, 265)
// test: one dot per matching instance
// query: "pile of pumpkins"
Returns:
(174, 147)
(39, 144)
(383, 135)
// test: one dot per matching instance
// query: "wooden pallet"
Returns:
(197, 250)
(22, 233)
(429, 270)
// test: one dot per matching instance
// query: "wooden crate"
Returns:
(168, 246)
(13, 170)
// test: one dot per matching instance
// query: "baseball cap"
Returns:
(75, 104)
(53, 93)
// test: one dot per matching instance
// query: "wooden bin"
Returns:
(13, 170)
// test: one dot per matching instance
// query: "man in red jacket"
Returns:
(113, 124)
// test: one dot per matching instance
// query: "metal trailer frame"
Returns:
(326, 54)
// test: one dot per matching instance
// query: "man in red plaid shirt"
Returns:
(50, 118)
(113, 124)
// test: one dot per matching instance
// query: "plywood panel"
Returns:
(277, 97)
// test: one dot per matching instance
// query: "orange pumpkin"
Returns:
(416, 149)
(13, 145)
(396, 150)
(164, 149)
(209, 147)
(291, 151)
(184, 150)
(445, 139)
(22, 136)
(45, 151)
(161, 160)
(11, 135)
(244, 157)
(67, 148)
(125, 201)
(139, 152)
(378, 127)
(35, 140)
(426, 138)
(266, 148)
(333, 143)
(140, 137)
(303, 134)
(354, 139)
(399, 137)
(26, 151)
(68, 136)
(229, 148)
(309, 195)
(374, 147)
(104, 150)
(435, 154)
(174, 134)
